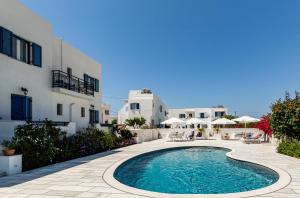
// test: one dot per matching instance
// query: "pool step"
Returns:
(2, 174)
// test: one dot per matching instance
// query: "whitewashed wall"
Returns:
(25, 23)
(145, 135)
(7, 129)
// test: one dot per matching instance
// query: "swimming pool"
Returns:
(193, 170)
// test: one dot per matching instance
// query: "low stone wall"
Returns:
(145, 135)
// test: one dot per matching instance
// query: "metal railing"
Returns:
(64, 80)
(55, 123)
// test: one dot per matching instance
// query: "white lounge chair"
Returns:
(254, 138)
(180, 136)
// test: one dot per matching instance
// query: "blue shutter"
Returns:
(18, 107)
(36, 55)
(85, 77)
(96, 116)
(6, 41)
(96, 85)
(29, 108)
(21, 107)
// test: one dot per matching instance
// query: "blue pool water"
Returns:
(193, 170)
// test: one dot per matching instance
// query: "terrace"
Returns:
(86, 177)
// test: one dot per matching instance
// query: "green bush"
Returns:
(133, 122)
(291, 148)
(285, 118)
(44, 144)
(39, 144)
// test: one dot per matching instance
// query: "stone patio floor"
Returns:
(83, 177)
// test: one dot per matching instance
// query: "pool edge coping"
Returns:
(283, 180)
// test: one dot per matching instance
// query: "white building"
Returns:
(42, 76)
(143, 103)
(106, 116)
(206, 114)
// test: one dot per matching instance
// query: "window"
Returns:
(166, 113)
(219, 113)
(181, 115)
(20, 49)
(92, 81)
(21, 107)
(106, 112)
(94, 116)
(161, 108)
(134, 106)
(190, 115)
(59, 109)
(202, 115)
(82, 112)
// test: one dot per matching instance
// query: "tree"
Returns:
(114, 121)
(230, 117)
(264, 125)
(285, 119)
(135, 122)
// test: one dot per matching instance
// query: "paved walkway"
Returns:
(83, 177)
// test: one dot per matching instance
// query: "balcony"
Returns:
(63, 80)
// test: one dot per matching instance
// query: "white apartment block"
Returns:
(42, 76)
(143, 103)
(106, 116)
(206, 114)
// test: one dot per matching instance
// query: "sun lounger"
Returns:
(253, 139)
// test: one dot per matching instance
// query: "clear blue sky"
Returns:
(192, 53)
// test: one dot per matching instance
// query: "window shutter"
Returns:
(29, 108)
(18, 107)
(85, 77)
(36, 55)
(96, 116)
(96, 85)
(6, 41)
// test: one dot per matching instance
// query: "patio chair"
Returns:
(191, 135)
(180, 136)
(253, 139)
(172, 135)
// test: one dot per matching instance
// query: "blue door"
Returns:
(21, 107)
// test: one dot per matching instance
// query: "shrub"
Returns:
(133, 122)
(285, 118)
(44, 144)
(37, 143)
(264, 125)
(291, 148)
(125, 134)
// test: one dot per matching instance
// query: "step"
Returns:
(2, 174)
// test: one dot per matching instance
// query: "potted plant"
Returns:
(9, 149)
(200, 132)
(135, 138)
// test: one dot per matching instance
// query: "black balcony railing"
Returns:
(64, 80)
